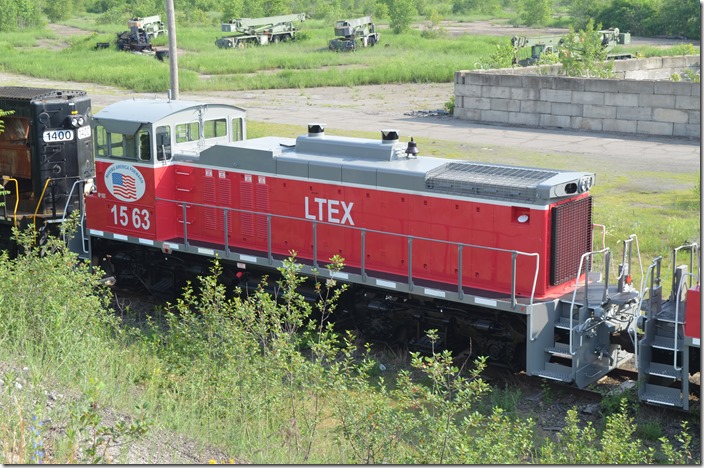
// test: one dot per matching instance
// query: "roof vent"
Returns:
(316, 129)
(389, 136)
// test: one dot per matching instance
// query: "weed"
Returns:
(507, 399)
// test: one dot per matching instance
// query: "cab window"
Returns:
(145, 146)
(215, 128)
(237, 129)
(187, 132)
(163, 143)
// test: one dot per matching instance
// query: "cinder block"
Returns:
(619, 126)
(559, 121)
(687, 102)
(471, 90)
(581, 123)
(521, 118)
(634, 113)
(674, 62)
(598, 85)
(501, 92)
(630, 65)
(536, 107)
(655, 128)
(622, 100)
(657, 100)
(525, 93)
(569, 83)
(477, 78)
(588, 97)
(510, 81)
(674, 88)
(670, 115)
(536, 82)
(509, 105)
(494, 116)
(650, 63)
(476, 103)
(686, 130)
(599, 112)
(467, 114)
(561, 108)
(695, 117)
(555, 95)
(636, 87)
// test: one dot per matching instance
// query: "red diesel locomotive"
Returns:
(499, 259)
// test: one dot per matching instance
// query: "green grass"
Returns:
(305, 63)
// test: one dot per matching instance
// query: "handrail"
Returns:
(632, 331)
(363, 232)
(36, 210)
(676, 328)
(83, 214)
(17, 196)
(692, 253)
(586, 292)
(603, 234)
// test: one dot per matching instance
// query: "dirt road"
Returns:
(397, 106)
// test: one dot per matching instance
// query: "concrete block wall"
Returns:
(639, 99)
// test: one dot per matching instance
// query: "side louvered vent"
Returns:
(571, 238)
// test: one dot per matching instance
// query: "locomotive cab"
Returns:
(136, 144)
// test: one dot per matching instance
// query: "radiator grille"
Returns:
(487, 180)
(571, 238)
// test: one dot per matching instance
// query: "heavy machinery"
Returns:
(259, 31)
(528, 50)
(137, 38)
(151, 25)
(353, 33)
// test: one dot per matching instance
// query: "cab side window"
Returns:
(237, 129)
(187, 132)
(215, 128)
(145, 146)
(163, 143)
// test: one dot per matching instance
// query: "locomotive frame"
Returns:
(498, 258)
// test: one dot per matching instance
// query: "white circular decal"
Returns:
(125, 182)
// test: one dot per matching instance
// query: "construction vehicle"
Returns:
(151, 25)
(259, 31)
(529, 50)
(137, 38)
(351, 34)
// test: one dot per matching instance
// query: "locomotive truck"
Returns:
(259, 31)
(497, 258)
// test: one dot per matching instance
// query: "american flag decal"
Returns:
(124, 186)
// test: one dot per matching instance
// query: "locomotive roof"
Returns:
(385, 164)
(132, 113)
(20, 93)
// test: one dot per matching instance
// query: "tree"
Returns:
(582, 54)
(639, 17)
(582, 10)
(401, 13)
(536, 12)
(680, 18)
(58, 10)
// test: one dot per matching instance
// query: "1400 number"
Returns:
(139, 217)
